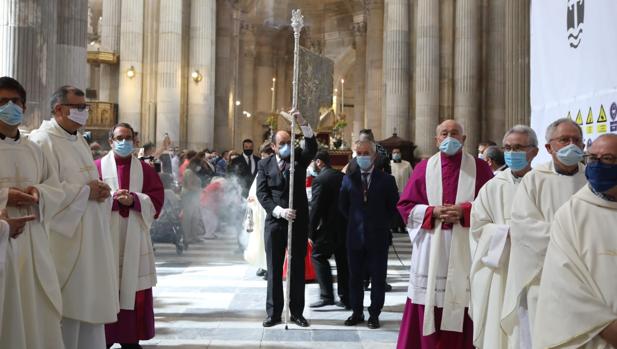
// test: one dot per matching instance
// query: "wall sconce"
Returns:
(196, 76)
(131, 72)
(247, 114)
(238, 103)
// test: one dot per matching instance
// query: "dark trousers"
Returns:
(374, 261)
(275, 238)
(322, 251)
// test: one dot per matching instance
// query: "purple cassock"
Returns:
(138, 324)
(410, 335)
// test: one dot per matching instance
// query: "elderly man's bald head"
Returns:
(605, 144)
(450, 128)
(281, 137)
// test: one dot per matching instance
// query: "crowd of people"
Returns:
(498, 247)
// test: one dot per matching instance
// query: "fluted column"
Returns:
(467, 57)
(150, 76)
(131, 55)
(110, 41)
(446, 53)
(495, 79)
(169, 89)
(518, 107)
(264, 72)
(359, 28)
(224, 98)
(374, 64)
(71, 39)
(396, 68)
(427, 75)
(247, 81)
(28, 52)
(202, 59)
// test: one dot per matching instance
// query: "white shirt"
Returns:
(249, 162)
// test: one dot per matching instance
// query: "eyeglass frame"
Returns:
(518, 148)
(78, 106)
(592, 159)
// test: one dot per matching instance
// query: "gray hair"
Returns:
(525, 130)
(550, 130)
(59, 96)
(462, 128)
(494, 153)
(372, 145)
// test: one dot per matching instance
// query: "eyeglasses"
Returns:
(516, 147)
(606, 159)
(80, 106)
(15, 100)
(566, 140)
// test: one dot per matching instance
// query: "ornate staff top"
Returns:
(297, 21)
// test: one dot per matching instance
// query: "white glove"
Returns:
(285, 213)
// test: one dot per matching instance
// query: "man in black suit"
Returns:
(368, 200)
(245, 166)
(273, 194)
(328, 232)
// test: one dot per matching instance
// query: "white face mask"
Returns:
(80, 117)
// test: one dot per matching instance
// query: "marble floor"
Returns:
(209, 297)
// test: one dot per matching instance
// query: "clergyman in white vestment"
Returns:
(540, 194)
(577, 306)
(80, 238)
(490, 242)
(24, 168)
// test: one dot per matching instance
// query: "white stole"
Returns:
(457, 283)
(138, 230)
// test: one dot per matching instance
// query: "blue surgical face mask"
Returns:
(570, 155)
(396, 157)
(313, 172)
(516, 160)
(601, 177)
(123, 148)
(364, 161)
(450, 146)
(285, 151)
(11, 114)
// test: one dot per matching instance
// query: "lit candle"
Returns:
(273, 89)
(342, 96)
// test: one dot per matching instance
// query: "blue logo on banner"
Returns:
(614, 111)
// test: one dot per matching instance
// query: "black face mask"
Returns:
(248, 152)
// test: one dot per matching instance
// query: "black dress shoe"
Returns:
(373, 323)
(260, 272)
(269, 322)
(342, 304)
(388, 288)
(354, 319)
(299, 320)
(322, 303)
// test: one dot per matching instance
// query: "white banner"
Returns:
(574, 65)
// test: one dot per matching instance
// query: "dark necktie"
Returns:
(365, 185)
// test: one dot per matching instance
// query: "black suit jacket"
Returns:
(240, 168)
(327, 224)
(273, 187)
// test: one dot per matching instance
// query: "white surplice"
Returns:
(578, 292)
(12, 330)
(38, 288)
(440, 262)
(540, 194)
(131, 236)
(401, 171)
(79, 235)
(255, 253)
(490, 219)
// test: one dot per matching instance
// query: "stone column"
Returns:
(446, 53)
(396, 69)
(374, 63)
(359, 29)
(427, 75)
(71, 39)
(28, 46)
(110, 41)
(224, 98)
(467, 56)
(247, 82)
(169, 77)
(518, 107)
(495, 79)
(202, 59)
(131, 55)
(264, 72)
(150, 76)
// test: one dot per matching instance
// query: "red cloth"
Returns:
(410, 335)
(212, 196)
(415, 191)
(309, 271)
(133, 325)
(152, 186)
(181, 170)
